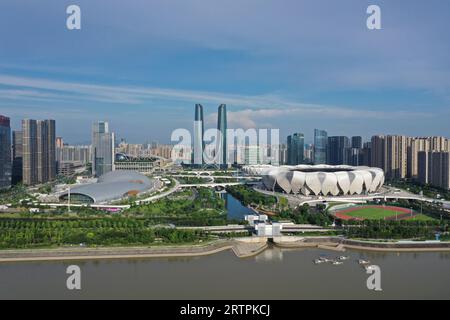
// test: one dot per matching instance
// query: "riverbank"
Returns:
(242, 248)
(341, 244)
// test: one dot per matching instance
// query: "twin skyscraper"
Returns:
(199, 143)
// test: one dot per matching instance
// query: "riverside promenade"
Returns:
(242, 247)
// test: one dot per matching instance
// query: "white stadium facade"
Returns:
(319, 180)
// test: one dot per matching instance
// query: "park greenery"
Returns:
(32, 233)
(14, 195)
(247, 196)
(403, 229)
(193, 180)
(299, 215)
(305, 215)
(416, 188)
(197, 207)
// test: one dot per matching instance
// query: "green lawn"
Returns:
(371, 213)
(380, 213)
(422, 217)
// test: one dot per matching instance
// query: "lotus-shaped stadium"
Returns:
(319, 179)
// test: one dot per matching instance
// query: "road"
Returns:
(387, 193)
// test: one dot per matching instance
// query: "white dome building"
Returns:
(320, 179)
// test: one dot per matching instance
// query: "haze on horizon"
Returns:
(293, 65)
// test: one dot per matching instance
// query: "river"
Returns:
(274, 274)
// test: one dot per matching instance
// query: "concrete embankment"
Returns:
(244, 247)
(340, 244)
(250, 246)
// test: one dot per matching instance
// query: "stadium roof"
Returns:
(112, 186)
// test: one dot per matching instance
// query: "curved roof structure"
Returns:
(320, 179)
(111, 186)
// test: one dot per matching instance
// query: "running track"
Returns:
(342, 214)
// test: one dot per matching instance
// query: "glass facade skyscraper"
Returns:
(102, 149)
(17, 157)
(199, 144)
(5, 153)
(320, 146)
(337, 153)
(296, 148)
(357, 142)
(222, 142)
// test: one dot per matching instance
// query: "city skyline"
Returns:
(357, 82)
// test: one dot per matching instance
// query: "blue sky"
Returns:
(289, 64)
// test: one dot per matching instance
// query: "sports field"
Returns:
(378, 213)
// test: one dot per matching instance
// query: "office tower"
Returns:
(308, 153)
(283, 154)
(5, 153)
(102, 149)
(320, 146)
(357, 142)
(354, 156)
(39, 151)
(296, 148)
(337, 153)
(199, 144)
(17, 157)
(222, 142)
(367, 154)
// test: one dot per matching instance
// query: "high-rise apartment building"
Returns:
(102, 149)
(5, 153)
(320, 146)
(398, 155)
(46, 150)
(39, 151)
(296, 149)
(75, 154)
(434, 168)
(378, 151)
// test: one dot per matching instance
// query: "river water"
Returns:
(235, 210)
(274, 274)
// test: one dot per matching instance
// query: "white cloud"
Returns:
(252, 111)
